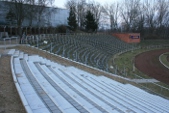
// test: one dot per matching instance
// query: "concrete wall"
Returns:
(128, 37)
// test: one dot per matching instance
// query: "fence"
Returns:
(14, 30)
(16, 35)
(153, 87)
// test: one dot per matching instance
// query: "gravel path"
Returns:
(148, 63)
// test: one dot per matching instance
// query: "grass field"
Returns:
(124, 63)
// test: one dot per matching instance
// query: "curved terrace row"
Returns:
(46, 86)
(91, 49)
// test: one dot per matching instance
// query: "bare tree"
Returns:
(23, 8)
(81, 11)
(43, 13)
(140, 20)
(80, 6)
(31, 12)
(144, 16)
(129, 12)
(28, 9)
(71, 3)
(162, 14)
(162, 8)
(112, 10)
(150, 16)
(19, 10)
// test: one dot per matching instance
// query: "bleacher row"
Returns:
(91, 49)
(45, 86)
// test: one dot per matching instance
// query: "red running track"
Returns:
(148, 63)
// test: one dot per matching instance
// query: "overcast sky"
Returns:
(61, 3)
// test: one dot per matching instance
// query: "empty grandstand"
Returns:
(45, 86)
(92, 49)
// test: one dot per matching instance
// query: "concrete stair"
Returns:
(45, 86)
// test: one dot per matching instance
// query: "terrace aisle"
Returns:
(145, 80)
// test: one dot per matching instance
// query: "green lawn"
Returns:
(125, 62)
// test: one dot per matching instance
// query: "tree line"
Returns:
(148, 17)
(83, 15)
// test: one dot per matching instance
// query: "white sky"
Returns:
(61, 3)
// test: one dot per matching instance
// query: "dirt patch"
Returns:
(148, 63)
(9, 99)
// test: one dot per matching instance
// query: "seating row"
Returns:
(51, 87)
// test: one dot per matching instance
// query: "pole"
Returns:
(26, 35)
(30, 30)
(4, 29)
(11, 31)
(26, 31)
(51, 48)
(37, 40)
(5, 43)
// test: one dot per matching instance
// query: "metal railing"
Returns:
(154, 87)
